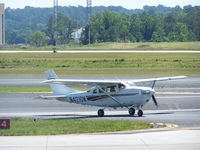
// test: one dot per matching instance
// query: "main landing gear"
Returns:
(140, 113)
(100, 112)
(132, 112)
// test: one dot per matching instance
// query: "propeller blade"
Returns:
(154, 100)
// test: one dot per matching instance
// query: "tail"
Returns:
(58, 89)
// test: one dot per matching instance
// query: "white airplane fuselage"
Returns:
(129, 96)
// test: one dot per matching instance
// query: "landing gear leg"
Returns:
(140, 113)
(131, 111)
(100, 112)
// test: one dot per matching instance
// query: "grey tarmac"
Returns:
(181, 109)
(167, 140)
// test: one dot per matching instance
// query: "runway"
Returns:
(179, 103)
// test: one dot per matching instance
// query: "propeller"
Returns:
(154, 100)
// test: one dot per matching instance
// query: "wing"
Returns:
(89, 83)
(159, 79)
(151, 82)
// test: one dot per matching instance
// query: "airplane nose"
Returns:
(152, 91)
(148, 91)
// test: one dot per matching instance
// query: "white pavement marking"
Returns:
(104, 51)
(167, 140)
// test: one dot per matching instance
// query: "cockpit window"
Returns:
(111, 89)
(121, 86)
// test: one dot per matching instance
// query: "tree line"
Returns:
(112, 27)
(107, 24)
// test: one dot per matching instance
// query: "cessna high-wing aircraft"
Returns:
(105, 93)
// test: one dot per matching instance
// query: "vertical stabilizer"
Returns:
(58, 89)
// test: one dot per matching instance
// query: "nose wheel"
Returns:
(100, 113)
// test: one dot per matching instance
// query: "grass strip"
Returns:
(68, 126)
(115, 46)
(104, 64)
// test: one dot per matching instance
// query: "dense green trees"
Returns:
(38, 39)
(60, 34)
(113, 27)
(108, 24)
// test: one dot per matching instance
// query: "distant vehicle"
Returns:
(105, 93)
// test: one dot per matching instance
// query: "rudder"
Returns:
(58, 89)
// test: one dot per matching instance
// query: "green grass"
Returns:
(116, 46)
(102, 64)
(68, 126)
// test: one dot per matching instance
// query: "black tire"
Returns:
(131, 111)
(100, 113)
(140, 113)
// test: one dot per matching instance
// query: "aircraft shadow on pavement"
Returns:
(77, 116)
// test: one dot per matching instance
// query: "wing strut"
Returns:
(109, 95)
(154, 82)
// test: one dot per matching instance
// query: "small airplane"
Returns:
(105, 93)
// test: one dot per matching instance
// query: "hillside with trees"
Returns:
(108, 24)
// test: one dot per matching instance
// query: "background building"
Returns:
(76, 35)
(2, 24)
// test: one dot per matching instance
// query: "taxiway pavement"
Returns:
(183, 110)
(167, 140)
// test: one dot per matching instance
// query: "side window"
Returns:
(108, 89)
